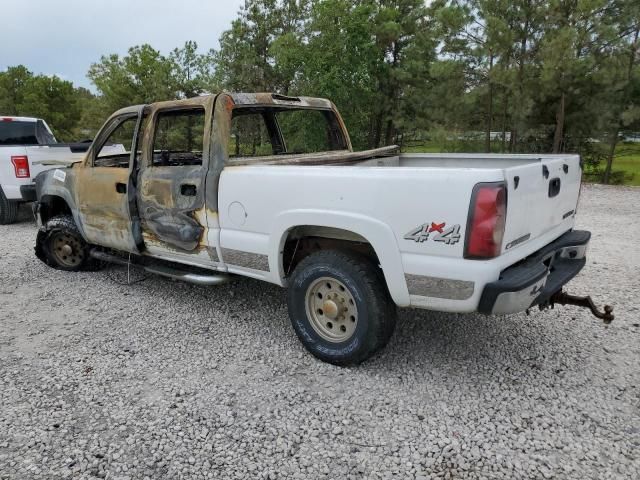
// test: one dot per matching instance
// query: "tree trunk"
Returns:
(487, 136)
(606, 178)
(388, 136)
(523, 51)
(559, 133)
(504, 124)
(376, 131)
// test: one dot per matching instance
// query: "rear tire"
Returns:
(340, 308)
(8, 209)
(60, 245)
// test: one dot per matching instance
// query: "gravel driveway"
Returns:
(167, 380)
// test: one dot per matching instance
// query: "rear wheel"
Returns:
(60, 245)
(340, 308)
(8, 209)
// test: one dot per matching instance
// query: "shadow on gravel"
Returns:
(25, 214)
(473, 348)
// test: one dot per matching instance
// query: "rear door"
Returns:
(172, 182)
(541, 196)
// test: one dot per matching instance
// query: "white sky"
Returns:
(64, 37)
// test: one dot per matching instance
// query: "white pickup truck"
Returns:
(26, 144)
(268, 187)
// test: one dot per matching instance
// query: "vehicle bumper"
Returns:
(28, 192)
(12, 192)
(535, 279)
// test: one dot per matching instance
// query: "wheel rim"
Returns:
(331, 309)
(67, 249)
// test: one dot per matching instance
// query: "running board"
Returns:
(197, 278)
(207, 279)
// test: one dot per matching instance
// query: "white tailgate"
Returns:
(531, 211)
(42, 153)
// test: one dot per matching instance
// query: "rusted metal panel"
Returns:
(246, 99)
(338, 157)
(167, 216)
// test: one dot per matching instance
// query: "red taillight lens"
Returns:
(21, 166)
(486, 223)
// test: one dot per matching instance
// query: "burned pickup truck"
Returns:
(268, 186)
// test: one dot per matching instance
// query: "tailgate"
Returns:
(540, 196)
(38, 154)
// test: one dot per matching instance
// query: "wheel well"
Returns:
(304, 240)
(51, 205)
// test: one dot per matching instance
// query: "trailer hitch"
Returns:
(563, 298)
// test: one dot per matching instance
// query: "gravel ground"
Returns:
(167, 380)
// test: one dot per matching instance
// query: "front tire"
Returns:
(340, 308)
(8, 209)
(60, 245)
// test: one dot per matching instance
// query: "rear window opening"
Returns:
(268, 131)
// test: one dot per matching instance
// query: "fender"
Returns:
(377, 233)
(46, 186)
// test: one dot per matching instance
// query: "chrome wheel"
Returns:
(331, 309)
(67, 249)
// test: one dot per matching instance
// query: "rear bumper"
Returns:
(535, 279)
(28, 192)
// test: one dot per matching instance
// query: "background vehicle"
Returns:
(25, 143)
(268, 187)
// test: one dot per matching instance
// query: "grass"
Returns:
(627, 160)
(627, 157)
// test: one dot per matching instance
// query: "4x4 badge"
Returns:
(449, 236)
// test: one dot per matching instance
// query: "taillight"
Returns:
(485, 227)
(21, 166)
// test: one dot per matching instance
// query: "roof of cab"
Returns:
(247, 99)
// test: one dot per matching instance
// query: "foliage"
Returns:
(47, 97)
(479, 75)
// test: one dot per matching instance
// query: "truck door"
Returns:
(172, 179)
(103, 181)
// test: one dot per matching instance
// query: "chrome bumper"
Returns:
(534, 280)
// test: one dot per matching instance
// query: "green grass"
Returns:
(627, 157)
(627, 160)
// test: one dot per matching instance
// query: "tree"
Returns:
(47, 97)
(142, 76)
(192, 72)
(258, 52)
(12, 87)
(624, 97)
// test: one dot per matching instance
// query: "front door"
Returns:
(103, 183)
(171, 183)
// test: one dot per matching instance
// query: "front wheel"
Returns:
(340, 308)
(60, 245)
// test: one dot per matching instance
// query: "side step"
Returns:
(197, 278)
(201, 277)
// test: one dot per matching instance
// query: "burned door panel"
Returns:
(172, 179)
(101, 186)
(169, 198)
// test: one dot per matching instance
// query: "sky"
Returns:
(64, 37)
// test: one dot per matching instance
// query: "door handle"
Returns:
(121, 187)
(188, 190)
